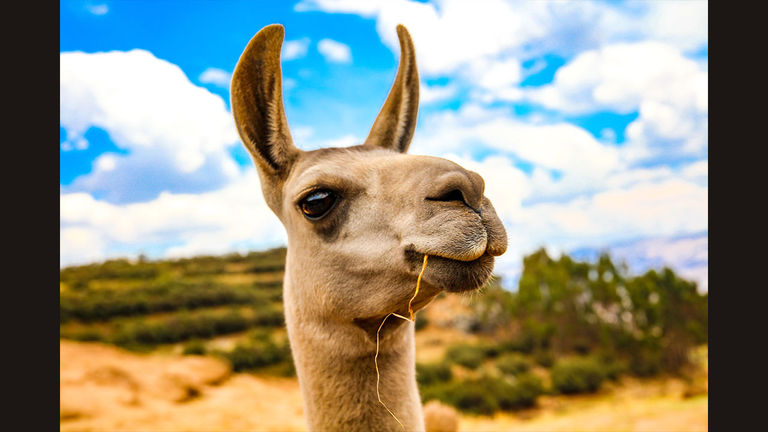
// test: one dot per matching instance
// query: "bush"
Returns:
(185, 325)
(544, 358)
(258, 352)
(512, 364)
(645, 363)
(421, 322)
(577, 375)
(486, 395)
(194, 347)
(522, 392)
(102, 304)
(468, 396)
(469, 356)
(521, 344)
(611, 366)
(431, 373)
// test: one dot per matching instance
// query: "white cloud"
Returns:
(79, 245)
(452, 33)
(176, 134)
(668, 89)
(622, 76)
(560, 146)
(683, 23)
(99, 9)
(687, 255)
(208, 223)
(435, 93)
(216, 76)
(294, 49)
(334, 51)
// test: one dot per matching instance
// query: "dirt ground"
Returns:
(104, 388)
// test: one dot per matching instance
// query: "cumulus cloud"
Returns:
(667, 89)
(435, 93)
(294, 49)
(234, 217)
(559, 146)
(334, 51)
(176, 134)
(452, 33)
(216, 76)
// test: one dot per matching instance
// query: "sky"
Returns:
(588, 120)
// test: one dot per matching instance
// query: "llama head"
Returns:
(360, 219)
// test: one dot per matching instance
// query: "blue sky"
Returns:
(588, 120)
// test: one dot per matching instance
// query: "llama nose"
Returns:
(464, 186)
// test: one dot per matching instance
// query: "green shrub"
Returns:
(577, 375)
(84, 335)
(544, 358)
(259, 351)
(194, 347)
(467, 396)
(431, 373)
(421, 321)
(612, 367)
(512, 364)
(185, 325)
(522, 392)
(469, 356)
(486, 395)
(102, 304)
(645, 363)
(520, 344)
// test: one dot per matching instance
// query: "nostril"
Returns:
(455, 195)
(451, 195)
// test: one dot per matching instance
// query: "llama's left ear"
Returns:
(396, 121)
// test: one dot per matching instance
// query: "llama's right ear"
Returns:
(257, 103)
(396, 122)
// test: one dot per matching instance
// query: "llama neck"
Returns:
(335, 365)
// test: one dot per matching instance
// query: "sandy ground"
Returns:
(107, 389)
(104, 388)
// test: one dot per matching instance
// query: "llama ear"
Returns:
(257, 103)
(396, 121)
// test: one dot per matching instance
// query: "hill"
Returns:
(572, 328)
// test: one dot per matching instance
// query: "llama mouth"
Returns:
(453, 275)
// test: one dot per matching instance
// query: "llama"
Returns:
(359, 221)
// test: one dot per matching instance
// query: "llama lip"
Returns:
(453, 275)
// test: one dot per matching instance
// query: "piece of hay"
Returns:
(376, 357)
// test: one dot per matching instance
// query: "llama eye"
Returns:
(318, 203)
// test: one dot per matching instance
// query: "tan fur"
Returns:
(347, 271)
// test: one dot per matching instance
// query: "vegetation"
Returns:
(564, 307)
(433, 373)
(512, 364)
(487, 394)
(98, 305)
(576, 324)
(577, 375)
(259, 351)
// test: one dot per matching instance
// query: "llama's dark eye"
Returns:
(318, 203)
